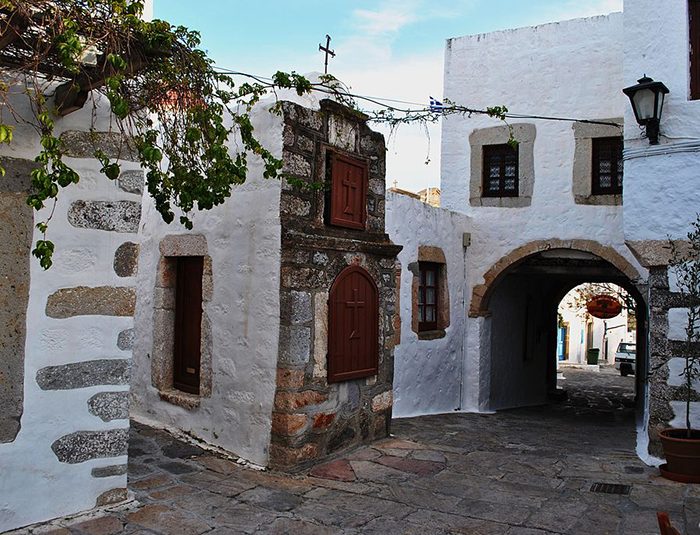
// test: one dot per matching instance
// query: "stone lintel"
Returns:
(184, 245)
(429, 253)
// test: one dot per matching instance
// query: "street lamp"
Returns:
(647, 98)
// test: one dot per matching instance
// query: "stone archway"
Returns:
(481, 293)
(518, 307)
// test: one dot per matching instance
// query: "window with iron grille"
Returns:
(500, 171)
(607, 166)
(428, 296)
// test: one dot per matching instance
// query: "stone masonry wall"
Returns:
(312, 419)
(66, 386)
(667, 347)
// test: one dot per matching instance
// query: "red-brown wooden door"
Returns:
(188, 321)
(353, 341)
(348, 192)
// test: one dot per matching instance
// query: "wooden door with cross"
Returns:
(353, 342)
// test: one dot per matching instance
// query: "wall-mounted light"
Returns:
(647, 98)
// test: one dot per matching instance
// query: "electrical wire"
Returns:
(383, 102)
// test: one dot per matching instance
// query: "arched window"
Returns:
(353, 327)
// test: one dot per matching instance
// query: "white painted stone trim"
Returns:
(677, 321)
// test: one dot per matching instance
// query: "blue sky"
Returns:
(388, 48)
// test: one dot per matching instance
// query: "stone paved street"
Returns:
(519, 472)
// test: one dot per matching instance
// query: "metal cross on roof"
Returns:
(328, 51)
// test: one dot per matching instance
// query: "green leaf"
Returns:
(44, 251)
(112, 171)
(5, 133)
(117, 61)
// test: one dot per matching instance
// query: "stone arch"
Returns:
(482, 292)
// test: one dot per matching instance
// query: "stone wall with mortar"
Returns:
(65, 342)
(668, 318)
(312, 418)
(428, 372)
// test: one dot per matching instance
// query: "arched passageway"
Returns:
(520, 322)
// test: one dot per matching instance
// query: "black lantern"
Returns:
(647, 98)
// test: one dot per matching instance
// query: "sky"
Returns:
(386, 48)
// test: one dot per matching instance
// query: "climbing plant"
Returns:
(685, 265)
(174, 109)
(165, 97)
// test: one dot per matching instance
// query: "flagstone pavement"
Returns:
(519, 472)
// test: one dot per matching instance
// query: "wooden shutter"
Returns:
(694, 47)
(353, 327)
(188, 323)
(348, 192)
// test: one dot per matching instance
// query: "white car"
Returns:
(625, 358)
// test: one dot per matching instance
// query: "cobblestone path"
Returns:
(519, 472)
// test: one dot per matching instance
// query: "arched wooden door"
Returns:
(353, 326)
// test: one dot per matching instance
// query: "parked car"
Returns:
(625, 358)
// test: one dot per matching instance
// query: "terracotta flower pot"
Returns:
(682, 454)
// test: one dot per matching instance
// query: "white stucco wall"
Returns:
(540, 70)
(479, 72)
(661, 180)
(243, 241)
(428, 373)
(34, 485)
(661, 193)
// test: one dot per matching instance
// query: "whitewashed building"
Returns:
(553, 213)
(480, 279)
(662, 194)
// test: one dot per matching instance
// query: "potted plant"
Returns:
(682, 445)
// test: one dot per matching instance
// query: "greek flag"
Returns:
(436, 106)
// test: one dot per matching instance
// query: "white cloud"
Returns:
(388, 19)
(367, 62)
